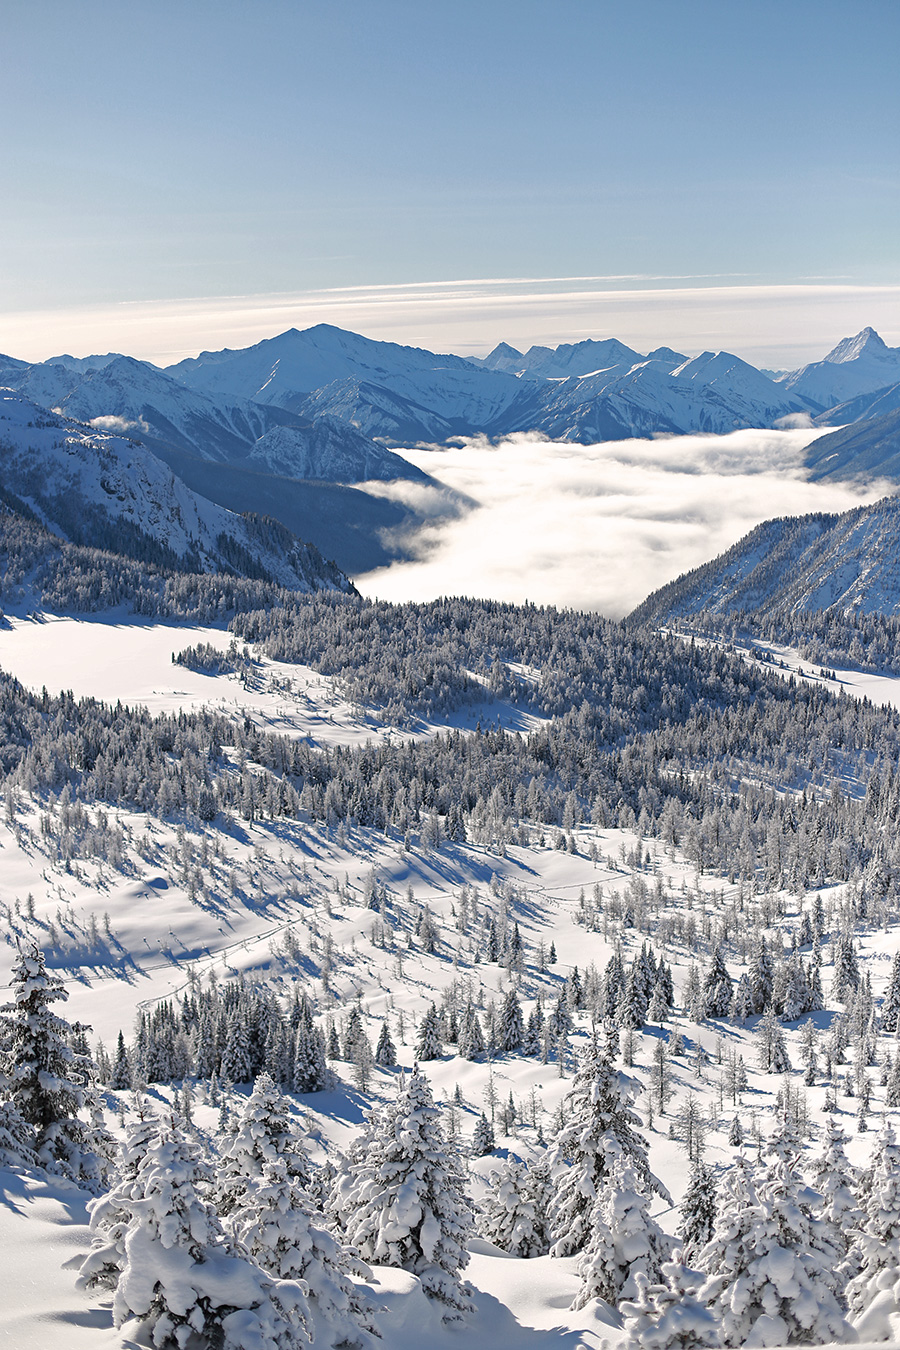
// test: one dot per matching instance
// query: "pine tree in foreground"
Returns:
(771, 1265)
(833, 1176)
(403, 1200)
(873, 1294)
(599, 1129)
(625, 1241)
(175, 1276)
(668, 1316)
(513, 1213)
(266, 1132)
(698, 1212)
(279, 1227)
(48, 1084)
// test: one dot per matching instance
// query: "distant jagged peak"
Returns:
(504, 350)
(82, 364)
(865, 343)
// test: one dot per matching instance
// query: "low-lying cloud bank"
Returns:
(595, 526)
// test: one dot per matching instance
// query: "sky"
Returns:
(179, 177)
(595, 527)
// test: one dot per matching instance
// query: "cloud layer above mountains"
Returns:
(595, 526)
(775, 325)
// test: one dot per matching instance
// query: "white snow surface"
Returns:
(298, 881)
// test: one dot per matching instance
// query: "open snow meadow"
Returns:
(414, 1051)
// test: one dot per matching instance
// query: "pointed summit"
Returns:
(865, 343)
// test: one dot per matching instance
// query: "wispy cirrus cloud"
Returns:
(769, 324)
(596, 526)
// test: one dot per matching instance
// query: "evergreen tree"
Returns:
(483, 1139)
(625, 1240)
(121, 1079)
(278, 1225)
(873, 1294)
(48, 1084)
(743, 1004)
(599, 1128)
(890, 1008)
(717, 987)
(534, 1028)
(832, 1175)
(310, 1070)
(760, 976)
(236, 1055)
(698, 1211)
(512, 1029)
(512, 1215)
(668, 1316)
(845, 979)
(773, 1055)
(172, 1269)
(404, 1201)
(429, 1044)
(385, 1050)
(265, 1133)
(772, 1267)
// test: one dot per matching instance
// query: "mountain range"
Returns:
(292, 426)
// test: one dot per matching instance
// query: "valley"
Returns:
(302, 855)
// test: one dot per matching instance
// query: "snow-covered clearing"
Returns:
(131, 661)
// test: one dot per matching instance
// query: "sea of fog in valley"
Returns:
(595, 526)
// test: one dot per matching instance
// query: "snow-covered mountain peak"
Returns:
(865, 343)
(82, 363)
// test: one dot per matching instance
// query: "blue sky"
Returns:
(222, 153)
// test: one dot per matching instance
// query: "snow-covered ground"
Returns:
(132, 661)
(273, 897)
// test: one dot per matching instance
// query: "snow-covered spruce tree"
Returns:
(111, 1213)
(771, 1264)
(717, 987)
(47, 1083)
(772, 1049)
(625, 1240)
(17, 1138)
(845, 979)
(668, 1316)
(174, 1273)
(279, 1226)
(698, 1211)
(483, 1140)
(310, 1072)
(890, 1008)
(761, 976)
(873, 1293)
(404, 1203)
(429, 1044)
(512, 1215)
(266, 1132)
(512, 1027)
(832, 1176)
(385, 1050)
(598, 1129)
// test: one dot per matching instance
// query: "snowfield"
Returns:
(283, 902)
